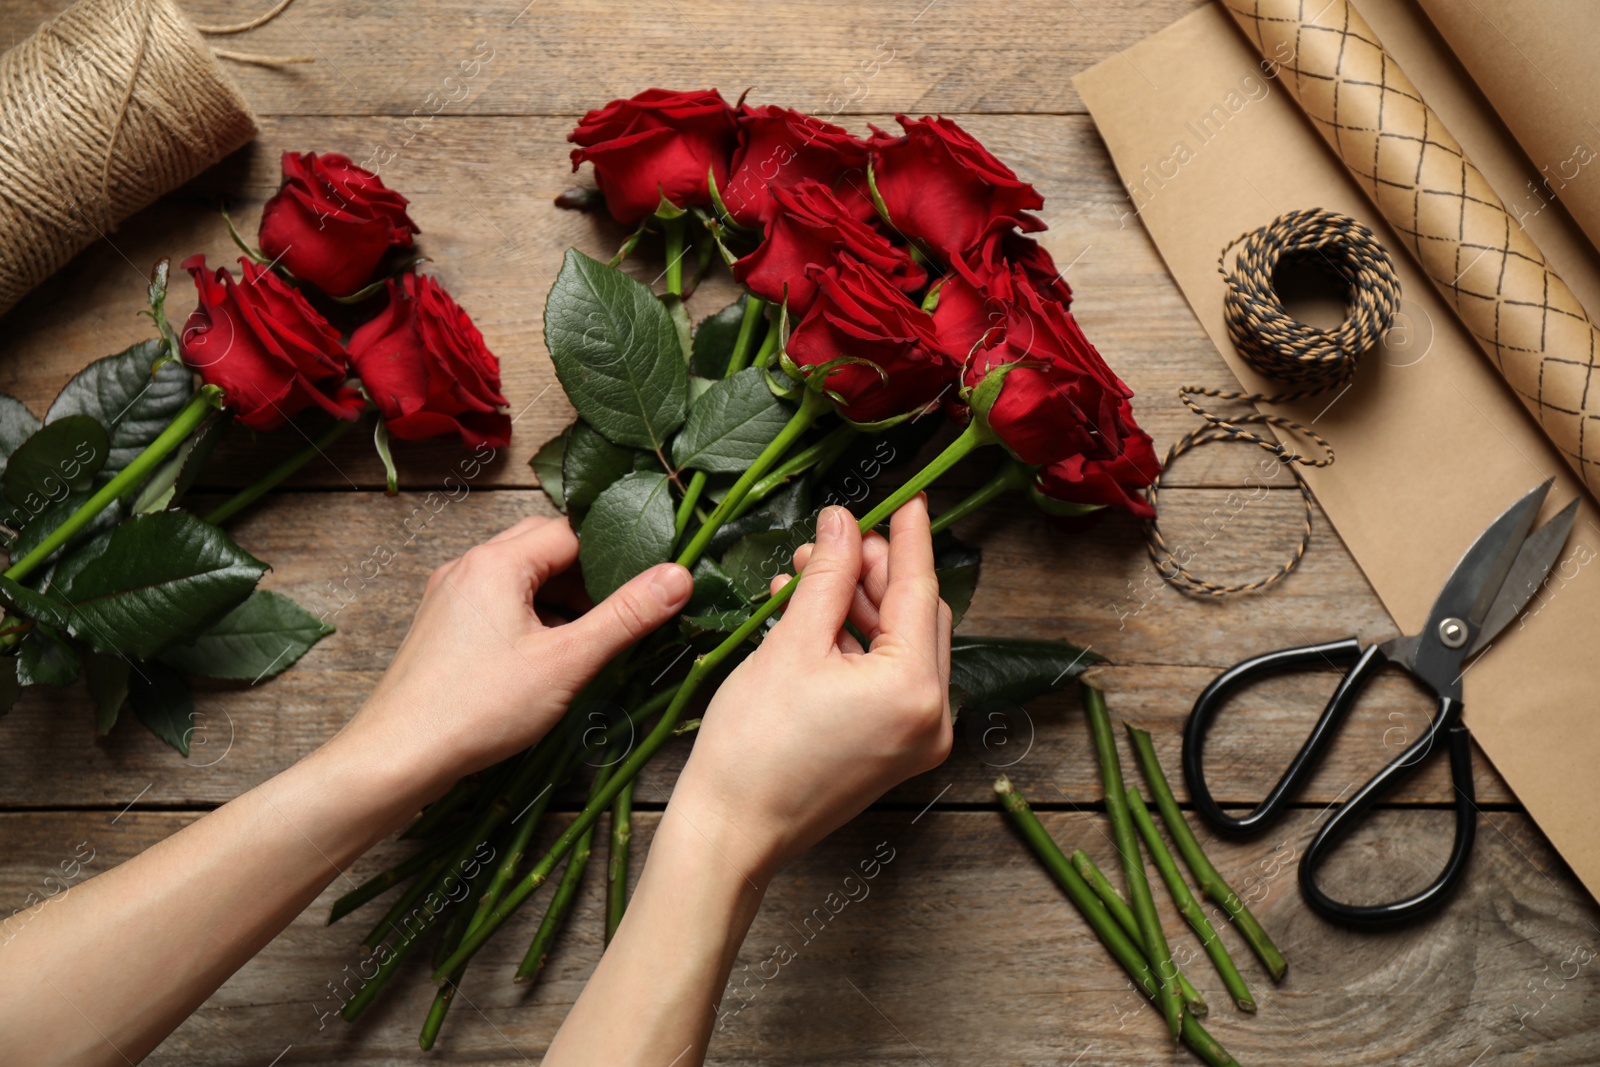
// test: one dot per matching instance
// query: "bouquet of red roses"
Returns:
(891, 290)
(109, 575)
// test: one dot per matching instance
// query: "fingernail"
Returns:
(830, 524)
(671, 584)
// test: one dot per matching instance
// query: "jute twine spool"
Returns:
(1307, 358)
(103, 109)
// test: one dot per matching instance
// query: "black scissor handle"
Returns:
(1445, 728)
(1364, 664)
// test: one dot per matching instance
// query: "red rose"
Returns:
(1061, 408)
(810, 226)
(271, 353)
(778, 149)
(425, 366)
(945, 190)
(858, 313)
(656, 144)
(332, 222)
(1003, 250)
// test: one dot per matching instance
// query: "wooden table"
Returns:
(964, 951)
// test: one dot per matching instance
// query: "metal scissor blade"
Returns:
(1537, 555)
(1472, 587)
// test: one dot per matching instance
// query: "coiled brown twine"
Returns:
(1309, 359)
(103, 109)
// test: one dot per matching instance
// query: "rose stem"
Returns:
(1210, 882)
(251, 493)
(754, 309)
(822, 454)
(1115, 939)
(205, 400)
(443, 808)
(380, 884)
(469, 916)
(972, 437)
(555, 915)
(1127, 842)
(1011, 477)
(812, 404)
(1124, 915)
(617, 868)
(1187, 904)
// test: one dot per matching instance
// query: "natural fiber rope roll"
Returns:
(102, 110)
(1308, 358)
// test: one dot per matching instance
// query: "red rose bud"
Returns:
(425, 366)
(265, 346)
(943, 189)
(810, 226)
(778, 149)
(332, 222)
(1060, 406)
(657, 144)
(860, 314)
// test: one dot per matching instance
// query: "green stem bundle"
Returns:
(1124, 915)
(1188, 905)
(1205, 875)
(1127, 842)
(555, 914)
(1100, 920)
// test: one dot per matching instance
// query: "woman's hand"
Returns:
(484, 672)
(812, 727)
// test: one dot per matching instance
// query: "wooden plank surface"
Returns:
(963, 952)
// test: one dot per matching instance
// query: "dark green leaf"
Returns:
(957, 569)
(121, 394)
(10, 688)
(64, 455)
(616, 353)
(107, 679)
(592, 463)
(786, 507)
(157, 579)
(258, 639)
(715, 604)
(166, 487)
(714, 340)
(755, 560)
(730, 425)
(629, 529)
(160, 697)
(989, 672)
(45, 659)
(45, 522)
(17, 424)
(547, 463)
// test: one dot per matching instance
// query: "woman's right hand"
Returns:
(812, 727)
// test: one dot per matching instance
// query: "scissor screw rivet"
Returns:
(1452, 633)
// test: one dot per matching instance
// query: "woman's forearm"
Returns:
(105, 973)
(653, 999)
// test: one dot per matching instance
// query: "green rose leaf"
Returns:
(590, 466)
(10, 687)
(160, 697)
(17, 424)
(629, 529)
(45, 659)
(166, 487)
(956, 566)
(730, 425)
(155, 580)
(755, 560)
(258, 639)
(60, 457)
(714, 339)
(715, 604)
(45, 522)
(107, 679)
(121, 394)
(616, 353)
(989, 672)
(547, 463)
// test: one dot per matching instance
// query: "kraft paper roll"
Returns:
(1531, 326)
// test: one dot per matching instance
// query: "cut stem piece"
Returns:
(1188, 905)
(1127, 842)
(1124, 915)
(1205, 875)
(617, 868)
(1100, 920)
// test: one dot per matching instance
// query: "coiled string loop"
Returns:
(1309, 359)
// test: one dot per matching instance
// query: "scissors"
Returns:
(1495, 579)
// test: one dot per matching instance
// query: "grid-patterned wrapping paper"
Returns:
(1485, 265)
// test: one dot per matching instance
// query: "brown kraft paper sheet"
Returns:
(1432, 443)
